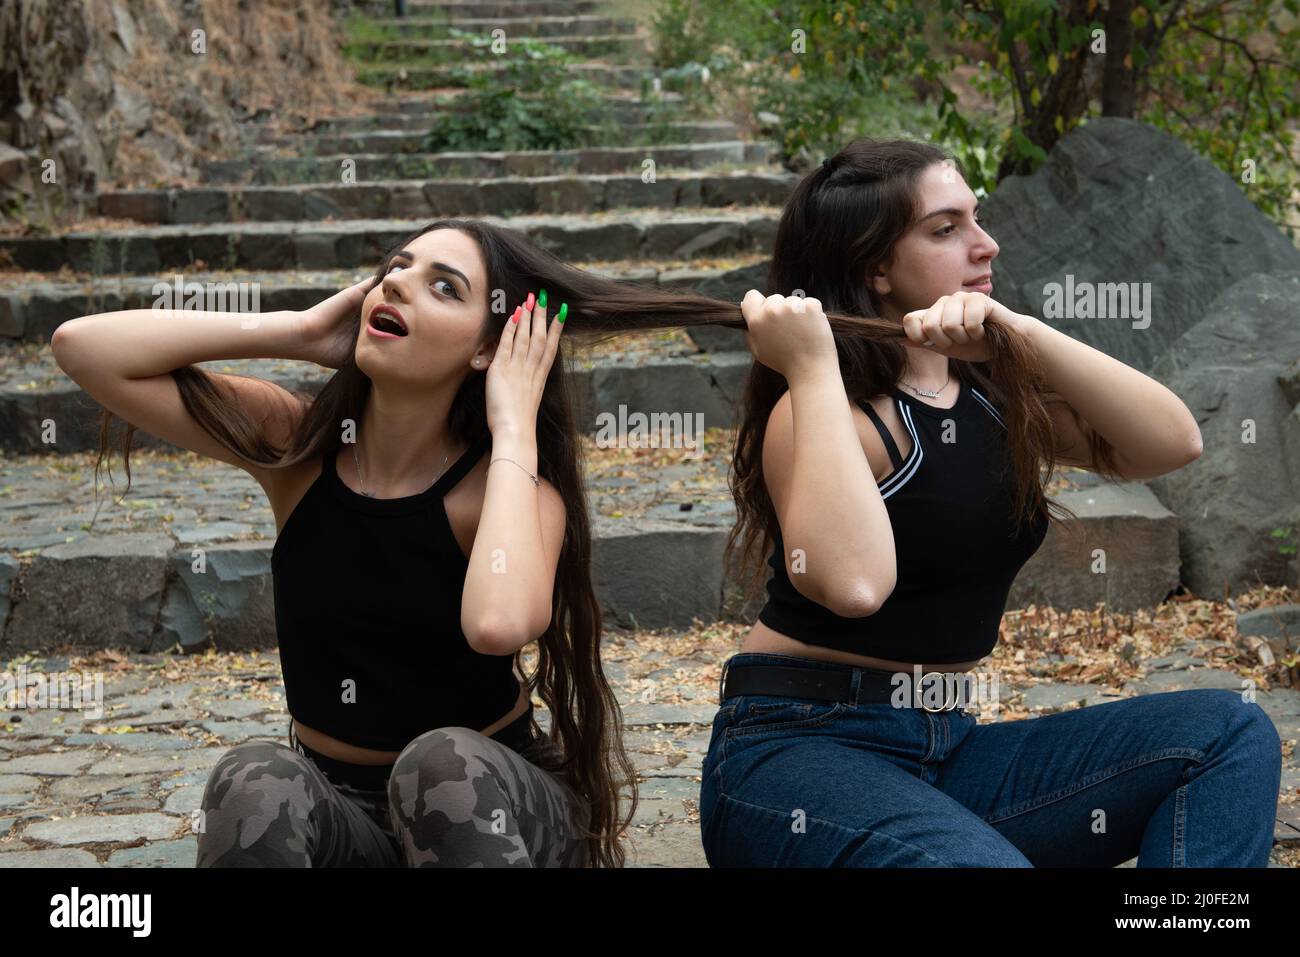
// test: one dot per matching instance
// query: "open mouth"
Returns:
(386, 319)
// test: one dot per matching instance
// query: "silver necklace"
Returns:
(357, 459)
(935, 393)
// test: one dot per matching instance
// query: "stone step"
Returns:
(423, 102)
(659, 568)
(421, 51)
(654, 373)
(415, 77)
(264, 168)
(514, 25)
(532, 8)
(600, 237)
(31, 311)
(446, 197)
(419, 111)
(1127, 555)
(624, 110)
(408, 135)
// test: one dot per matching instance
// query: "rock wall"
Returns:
(119, 93)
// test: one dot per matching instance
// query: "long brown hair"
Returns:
(842, 220)
(585, 744)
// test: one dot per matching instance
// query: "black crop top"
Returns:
(952, 520)
(367, 607)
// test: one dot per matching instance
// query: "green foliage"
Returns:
(1220, 76)
(358, 27)
(691, 38)
(823, 69)
(363, 46)
(28, 217)
(493, 115)
(1228, 88)
(719, 35)
(659, 117)
(15, 211)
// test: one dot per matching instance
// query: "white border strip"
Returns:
(900, 477)
(988, 405)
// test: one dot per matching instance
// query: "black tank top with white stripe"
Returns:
(950, 508)
(367, 615)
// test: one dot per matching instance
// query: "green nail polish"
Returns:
(564, 311)
(541, 299)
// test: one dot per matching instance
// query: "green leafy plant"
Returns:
(493, 115)
(659, 119)
(688, 32)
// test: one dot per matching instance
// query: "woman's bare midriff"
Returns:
(341, 751)
(763, 640)
(285, 490)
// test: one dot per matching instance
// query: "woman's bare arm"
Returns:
(124, 360)
(839, 542)
(140, 343)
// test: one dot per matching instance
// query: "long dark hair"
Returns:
(840, 222)
(585, 744)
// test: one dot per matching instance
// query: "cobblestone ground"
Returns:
(117, 790)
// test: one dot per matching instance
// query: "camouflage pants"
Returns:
(455, 798)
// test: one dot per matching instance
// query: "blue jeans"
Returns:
(1179, 779)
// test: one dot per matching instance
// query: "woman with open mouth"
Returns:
(431, 524)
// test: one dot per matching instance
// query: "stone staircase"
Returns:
(278, 218)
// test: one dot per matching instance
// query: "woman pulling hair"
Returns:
(431, 523)
(897, 522)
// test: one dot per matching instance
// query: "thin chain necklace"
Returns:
(357, 459)
(935, 393)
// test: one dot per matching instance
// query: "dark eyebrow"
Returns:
(438, 266)
(946, 211)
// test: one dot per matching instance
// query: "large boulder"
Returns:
(1120, 202)
(1235, 370)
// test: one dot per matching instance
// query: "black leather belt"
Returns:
(836, 684)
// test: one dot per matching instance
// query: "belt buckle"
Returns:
(945, 706)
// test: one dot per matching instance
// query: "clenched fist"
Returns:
(954, 325)
(788, 334)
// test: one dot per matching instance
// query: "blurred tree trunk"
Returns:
(1063, 94)
(1119, 82)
